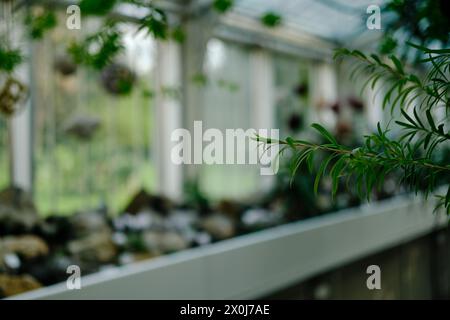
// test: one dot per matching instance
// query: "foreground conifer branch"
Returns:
(423, 134)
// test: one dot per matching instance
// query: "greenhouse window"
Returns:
(93, 147)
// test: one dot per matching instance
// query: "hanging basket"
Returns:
(12, 94)
(118, 79)
(65, 66)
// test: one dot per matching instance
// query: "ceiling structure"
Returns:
(336, 20)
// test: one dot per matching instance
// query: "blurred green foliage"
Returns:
(425, 22)
(39, 22)
(96, 7)
(223, 5)
(271, 19)
(9, 58)
(98, 49)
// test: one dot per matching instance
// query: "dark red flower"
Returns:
(336, 107)
(356, 104)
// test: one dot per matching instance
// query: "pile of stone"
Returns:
(36, 251)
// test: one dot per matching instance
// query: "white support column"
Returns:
(262, 90)
(374, 102)
(20, 131)
(262, 95)
(324, 92)
(21, 134)
(168, 118)
(199, 30)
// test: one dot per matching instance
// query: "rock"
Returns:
(181, 220)
(202, 238)
(151, 241)
(144, 220)
(51, 269)
(28, 246)
(17, 198)
(56, 230)
(172, 241)
(16, 221)
(17, 212)
(188, 233)
(120, 239)
(230, 208)
(219, 226)
(143, 200)
(159, 242)
(324, 201)
(86, 223)
(259, 218)
(11, 261)
(12, 285)
(96, 247)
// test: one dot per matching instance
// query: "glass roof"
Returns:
(337, 20)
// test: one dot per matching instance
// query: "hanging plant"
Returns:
(118, 79)
(155, 24)
(178, 34)
(11, 94)
(271, 19)
(9, 59)
(99, 49)
(200, 79)
(82, 127)
(39, 21)
(65, 65)
(96, 7)
(223, 6)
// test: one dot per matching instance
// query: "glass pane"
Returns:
(291, 94)
(226, 105)
(92, 147)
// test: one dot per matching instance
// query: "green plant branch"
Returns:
(342, 151)
(406, 83)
